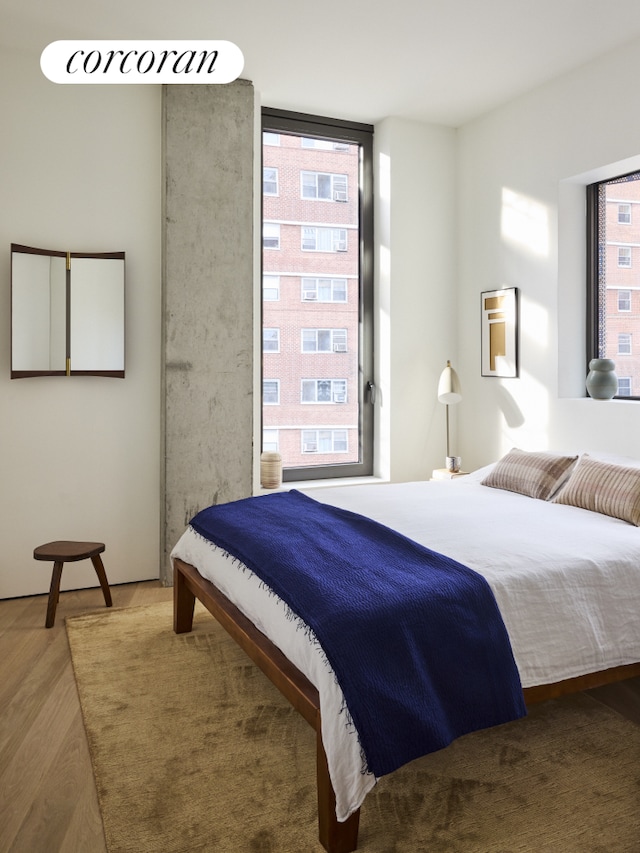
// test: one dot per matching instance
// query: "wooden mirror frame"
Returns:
(18, 318)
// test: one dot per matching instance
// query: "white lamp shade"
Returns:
(449, 390)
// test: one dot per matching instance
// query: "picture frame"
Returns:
(499, 318)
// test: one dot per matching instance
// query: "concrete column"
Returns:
(208, 301)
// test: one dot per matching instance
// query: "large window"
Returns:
(613, 264)
(317, 308)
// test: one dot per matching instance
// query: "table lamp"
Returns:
(449, 393)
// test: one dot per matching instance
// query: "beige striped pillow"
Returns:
(536, 474)
(605, 488)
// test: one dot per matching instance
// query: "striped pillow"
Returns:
(535, 474)
(605, 488)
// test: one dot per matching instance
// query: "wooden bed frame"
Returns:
(334, 836)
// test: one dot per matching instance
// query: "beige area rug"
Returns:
(194, 750)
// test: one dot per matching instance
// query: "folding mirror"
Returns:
(67, 313)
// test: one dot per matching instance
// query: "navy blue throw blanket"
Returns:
(415, 639)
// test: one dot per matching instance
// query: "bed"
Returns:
(566, 580)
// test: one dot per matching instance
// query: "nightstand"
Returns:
(445, 474)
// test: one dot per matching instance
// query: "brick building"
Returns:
(310, 322)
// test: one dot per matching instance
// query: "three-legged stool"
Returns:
(68, 552)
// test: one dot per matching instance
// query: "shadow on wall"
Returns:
(509, 408)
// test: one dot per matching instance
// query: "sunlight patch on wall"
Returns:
(534, 324)
(525, 222)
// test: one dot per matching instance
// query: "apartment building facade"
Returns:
(311, 256)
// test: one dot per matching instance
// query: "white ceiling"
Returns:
(445, 62)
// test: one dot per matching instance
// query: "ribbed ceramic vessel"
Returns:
(270, 470)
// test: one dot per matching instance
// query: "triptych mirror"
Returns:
(67, 313)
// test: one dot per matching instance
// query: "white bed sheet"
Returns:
(567, 582)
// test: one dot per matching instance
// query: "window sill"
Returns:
(323, 484)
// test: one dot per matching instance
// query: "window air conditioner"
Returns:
(309, 295)
(310, 447)
(339, 347)
(341, 246)
(339, 196)
(339, 398)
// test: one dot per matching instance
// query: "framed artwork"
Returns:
(499, 313)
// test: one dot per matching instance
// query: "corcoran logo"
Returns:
(139, 62)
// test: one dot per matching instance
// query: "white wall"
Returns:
(79, 457)
(540, 151)
(415, 271)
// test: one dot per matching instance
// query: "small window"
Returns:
(270, 181)
(271, 235)
(624, 343)
(324, 391)
(322, 185)
(271, 392)
(270, 138)
(271, 440)
(325, 441)
(324, 290)
(324, 340)
(324, 239)
(624, 214)
(270, 340)
(624, 256)
(324, 144)
(271, 288)
(624, 386)
(624, 300)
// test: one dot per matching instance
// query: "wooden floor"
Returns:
(48, 800)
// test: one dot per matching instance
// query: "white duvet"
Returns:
(567, 582)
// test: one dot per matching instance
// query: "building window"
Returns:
(624, 386)
(270, 340)
(270, 181)
(271, 440)
(271, 288)
(324, 340)
(325, 264)
(270, 235)
(270, 138)
(624, 214)
(323, 185)
(324, 290)
(324, 239)
(325, 441)
(624, 300)
(624, 256)
(324, 144)
(624, 343)
(271, 392)
(324, 391)
(611, 321)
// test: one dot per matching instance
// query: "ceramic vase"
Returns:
(270, 470)
(602, 382)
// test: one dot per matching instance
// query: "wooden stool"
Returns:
(68, 552)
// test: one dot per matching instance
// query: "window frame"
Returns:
(622, 290)
(316, 288)
(596, 293)
(340, 133)
(275, 181)
(275, 339)
(275, 382)
(274, 225)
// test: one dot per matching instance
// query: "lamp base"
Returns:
(453, 463)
